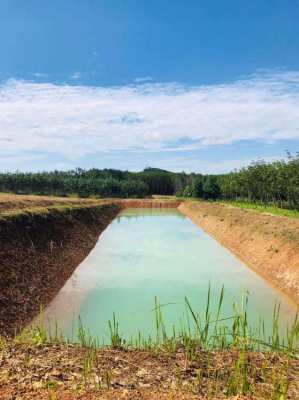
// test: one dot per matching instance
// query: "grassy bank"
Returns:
(263, 208)
(245, 205)
(209, 329)
(211, 357)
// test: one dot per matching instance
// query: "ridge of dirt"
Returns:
(266, 243)
(14, 202)
(72, 372)
(11, 204)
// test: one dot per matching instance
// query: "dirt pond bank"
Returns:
(66, 371)
(43, 240)
(268, 244)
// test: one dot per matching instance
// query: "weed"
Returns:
(116, 340)
(108, 378)
(208, 331)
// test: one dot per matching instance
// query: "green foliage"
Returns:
(199, 335)
(115, 337)
(259, 207)
(210, 188)
(100, 183)
(207, 328)
(275, 184)
(133, 188)
(158, 181)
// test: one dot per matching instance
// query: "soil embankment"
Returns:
(147, 203)
(268, 244)
(38, 253)
(43, 239)
(10, 203)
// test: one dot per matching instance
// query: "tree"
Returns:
(210, 187)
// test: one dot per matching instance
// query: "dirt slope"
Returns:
(38, 253)
(267, 244)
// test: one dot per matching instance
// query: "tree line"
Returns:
(274, 183)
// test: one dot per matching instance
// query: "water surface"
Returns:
(145, 253)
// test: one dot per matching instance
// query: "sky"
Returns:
(203, 86)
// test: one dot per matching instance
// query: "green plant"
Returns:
(115, 338)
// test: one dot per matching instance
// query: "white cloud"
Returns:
(195, 164)
(74, 121)
(143, 79)
(76, 75)
(15, 161)
(40, 75)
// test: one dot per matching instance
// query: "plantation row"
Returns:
(274, 183)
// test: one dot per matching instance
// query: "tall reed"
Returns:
(209, 330)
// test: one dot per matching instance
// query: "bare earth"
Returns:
(72, 372)
(266, 243)
(12, 203)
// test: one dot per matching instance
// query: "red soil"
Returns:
(267, 244)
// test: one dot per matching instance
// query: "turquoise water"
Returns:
(145, 253)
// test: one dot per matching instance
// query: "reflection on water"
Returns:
(156, 252)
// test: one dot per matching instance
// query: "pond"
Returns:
(145, 253)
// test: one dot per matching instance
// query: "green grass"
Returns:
(210, 331)
(270, 209)
(198, 339)
(263, 208)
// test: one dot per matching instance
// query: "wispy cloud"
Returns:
(74, 121)
(40, 75)
(192, 163)
(76, 75)
(143, 79)
(17, 160)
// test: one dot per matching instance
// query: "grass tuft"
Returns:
(283, 212)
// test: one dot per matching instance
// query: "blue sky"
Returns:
(182, 85)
